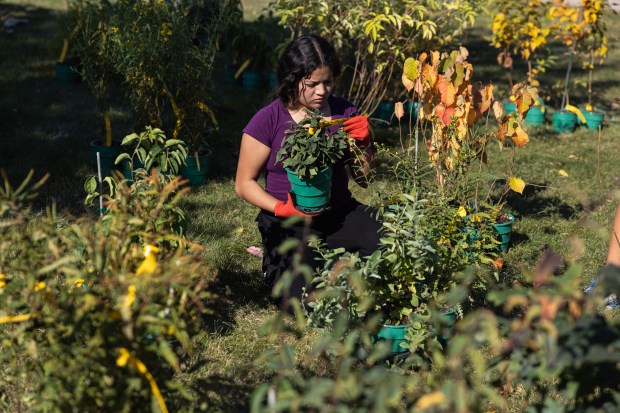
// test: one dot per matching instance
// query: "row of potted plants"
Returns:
(160, 56)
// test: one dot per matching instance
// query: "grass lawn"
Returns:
(47, 126)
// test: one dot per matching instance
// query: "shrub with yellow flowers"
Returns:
(95, 315)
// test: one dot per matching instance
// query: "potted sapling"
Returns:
(308, 152)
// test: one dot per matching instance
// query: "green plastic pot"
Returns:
(107, 156)
(504, 230)
(413, 109)
(564, 121)
(127, 171)
(594, 119)
(384, 112)
(394, 336)
(66, 73)
(251, 79)
(509, 107)
(196, 172)
(535, 116)
(312, 195)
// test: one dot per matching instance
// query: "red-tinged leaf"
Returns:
(446, 90)
(409, 84)
(419, 87)
(447, 114)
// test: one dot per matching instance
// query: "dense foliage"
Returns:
(95, 315)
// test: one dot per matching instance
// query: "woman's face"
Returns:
(316, 88)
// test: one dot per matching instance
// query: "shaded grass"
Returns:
(47, 126)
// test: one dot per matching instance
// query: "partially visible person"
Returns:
(307, 71)
(613, 259)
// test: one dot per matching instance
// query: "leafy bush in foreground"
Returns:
(94, 315)
(544, 347)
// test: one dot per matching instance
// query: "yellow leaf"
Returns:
(562, 172)
(520, 138)
(430, 400)
(517, 184)
(462, 212)
(239, 230)
(123, 357)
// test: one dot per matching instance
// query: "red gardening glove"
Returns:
(358, 128)
(285, 209)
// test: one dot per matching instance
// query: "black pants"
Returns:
(352, 226)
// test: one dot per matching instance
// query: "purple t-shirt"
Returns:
(268, 126)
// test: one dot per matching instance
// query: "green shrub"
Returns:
(96, 314)
(543, 347)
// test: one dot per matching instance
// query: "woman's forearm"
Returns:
(613, 252)
(254, 193)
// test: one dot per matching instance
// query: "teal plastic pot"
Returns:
(447, 329)
(535, 116)
(509, 107)
(272, 80)
(594, 119)
(311, 195)
(66, 73)
(413, 109)
(504, 230)
(107, 156)
(196, 172)
(384, 112)
(393, 336)
(251, 79)
(564, 121)
(128, 171)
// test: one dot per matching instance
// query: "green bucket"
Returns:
(504, 230)
(107, 156)
(412, 109)
(594, 119)
(564, 122)
(384, 112)
(535, 116)
(393, 336)
(509, 107)
(251, 79)
(311, 195)
(196, 173)
(66, 73)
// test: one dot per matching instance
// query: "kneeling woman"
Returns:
(307, 71)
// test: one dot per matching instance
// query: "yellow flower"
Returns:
(2, 280)
(462, 212)
(39, 286)
(150, 260)
(562, 172)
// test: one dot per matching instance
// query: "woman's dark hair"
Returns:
(301, 57)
